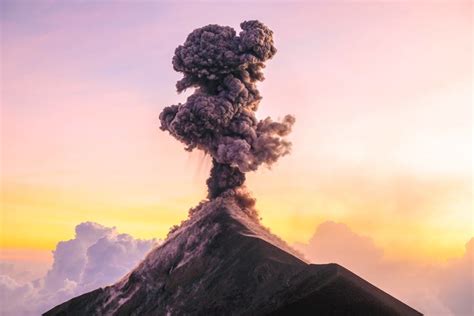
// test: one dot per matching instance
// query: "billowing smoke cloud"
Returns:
(434, 289)
(219, 117)
(96, 257)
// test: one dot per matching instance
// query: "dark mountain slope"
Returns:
(223, 262)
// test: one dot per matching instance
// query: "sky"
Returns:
(382, 144)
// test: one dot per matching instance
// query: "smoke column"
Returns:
(219, 117)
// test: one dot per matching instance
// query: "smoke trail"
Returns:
(219, 117)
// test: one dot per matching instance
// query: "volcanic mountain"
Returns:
(222, 261)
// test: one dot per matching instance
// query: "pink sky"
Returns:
(381, 93)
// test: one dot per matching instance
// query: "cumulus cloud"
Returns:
(335, 241)
(15, 296)
(96, 257)
(22, 270)
(432, 289)
(457, 281)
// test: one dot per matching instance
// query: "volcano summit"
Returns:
(221, 260)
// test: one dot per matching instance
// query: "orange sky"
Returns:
(382, 94)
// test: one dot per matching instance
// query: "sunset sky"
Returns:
(381, 92)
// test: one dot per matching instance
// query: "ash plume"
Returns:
(219, 117)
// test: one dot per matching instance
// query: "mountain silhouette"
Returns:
(222, 261)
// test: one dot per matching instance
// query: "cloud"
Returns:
(336, 242)
(457, 279)
(96, 257)
(23, 271)
(15, 295)
(432, 289)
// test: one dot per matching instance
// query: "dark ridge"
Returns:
(223, 262)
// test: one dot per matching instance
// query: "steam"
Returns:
(219, 117)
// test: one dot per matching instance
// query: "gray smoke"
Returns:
(219, 117)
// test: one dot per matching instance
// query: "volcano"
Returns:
(222, 261)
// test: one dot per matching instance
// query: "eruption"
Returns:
(221, 260)
(219, 117)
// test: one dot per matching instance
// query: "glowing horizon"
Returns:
(382, 140)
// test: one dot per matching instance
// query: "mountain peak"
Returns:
(221, 260)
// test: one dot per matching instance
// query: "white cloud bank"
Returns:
(433, 290)
(96, 257)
